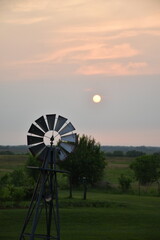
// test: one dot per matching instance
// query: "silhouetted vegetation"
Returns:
(87, 161)
(147, 169)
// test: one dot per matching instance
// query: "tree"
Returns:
(117, 153)
(134, 153)
(146, 168)
(86, 161)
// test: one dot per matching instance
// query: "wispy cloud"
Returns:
(114, 69)
(98, 52)
(85, 53)
(26, 21)
(30, 5)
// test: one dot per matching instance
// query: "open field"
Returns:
(9, 163)
(114, 168)
(130, 218)
(117, 166)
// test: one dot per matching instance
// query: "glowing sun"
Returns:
(97, 98)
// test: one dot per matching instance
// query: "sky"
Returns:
(55, 55)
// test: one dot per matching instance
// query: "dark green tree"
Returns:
(146, 169)
(86, 161)
(134, 153)
(117, 154)
(18, 177)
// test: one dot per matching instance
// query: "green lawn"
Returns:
(137, 219)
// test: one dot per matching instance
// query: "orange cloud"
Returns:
(26, 21)
(106, 52)
(114, 69)
(30, 5)
(85, 52)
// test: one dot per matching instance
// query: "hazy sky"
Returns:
(55, 55)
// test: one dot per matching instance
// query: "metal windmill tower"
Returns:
(42, 219)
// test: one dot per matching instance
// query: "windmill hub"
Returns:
(52, 140)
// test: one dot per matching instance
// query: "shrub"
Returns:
(125, 182)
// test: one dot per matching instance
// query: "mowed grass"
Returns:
(138, 219)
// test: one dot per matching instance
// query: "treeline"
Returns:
(132, 153)
(22, 149)
(6, 153)
(125, 149)
(19, 149)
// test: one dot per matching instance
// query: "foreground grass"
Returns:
(138, 218)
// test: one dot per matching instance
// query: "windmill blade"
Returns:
(51, 120)
(44, 154)
(60, 121)
(68, 147)
(35, 130)
(62, 155)
(33, 140)
(70, 138)
(37, 149)
(68, 128)
(42, 123)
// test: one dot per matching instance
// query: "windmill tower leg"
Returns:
(45, 197)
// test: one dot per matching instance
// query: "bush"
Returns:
(63, 181)
(18, 194)
(125, 182)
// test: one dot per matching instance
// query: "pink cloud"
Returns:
(100, 51)
(81, 53)
(26, 21)
(114, 69)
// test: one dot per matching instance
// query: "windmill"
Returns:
(50, 139)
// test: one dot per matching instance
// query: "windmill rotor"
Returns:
(48, 131)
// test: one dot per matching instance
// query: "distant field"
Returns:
(114, 168)
(117, 166)
(9, 163)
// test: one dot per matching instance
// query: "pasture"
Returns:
(103, 216)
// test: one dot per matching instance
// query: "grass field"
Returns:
(103, 216)
(138, 218)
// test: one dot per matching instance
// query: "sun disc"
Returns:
(96, 98)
